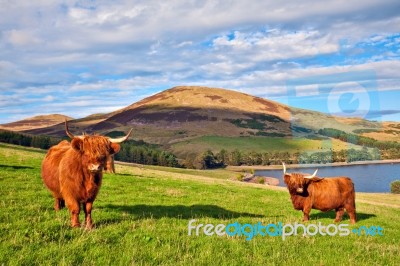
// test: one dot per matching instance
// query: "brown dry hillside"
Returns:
(197, 111)
(41, 121)
(187, 112)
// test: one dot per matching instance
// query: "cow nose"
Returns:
(95, 167)
(299, 190)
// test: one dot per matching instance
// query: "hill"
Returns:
(189, 114)
(40, 121)
(141, 217)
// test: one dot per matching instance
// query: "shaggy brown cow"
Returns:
(73, 171)
(310, 192)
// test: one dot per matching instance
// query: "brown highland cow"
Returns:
(311, 192)
(72, 171)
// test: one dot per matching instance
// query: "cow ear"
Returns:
(286, 178)
(77, 144)
(115, 148)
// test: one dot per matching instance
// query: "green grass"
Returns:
(141, 218)
(215, 173)
(258, 144)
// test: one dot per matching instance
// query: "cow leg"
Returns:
(87, 207)
(306, 209)
(306, 212)
(58, 204)
(339, 214)
(352, 213)
(74, 209)
(306, 216)
(350, 207)
(58, 201)
(61, 203)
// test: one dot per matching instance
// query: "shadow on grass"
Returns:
(142, 211)
(15, 167)
(331, 215)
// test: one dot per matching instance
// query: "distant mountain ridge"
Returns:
(185, 113)
(40, 121)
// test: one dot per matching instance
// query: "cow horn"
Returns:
(70, 134)
(67, 130)
(284, 168)
(313, 175)
(121, 139)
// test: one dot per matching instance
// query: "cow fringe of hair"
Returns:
(96, 145)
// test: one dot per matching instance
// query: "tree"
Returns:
(235, 158)
(266, 158)
(222, 156)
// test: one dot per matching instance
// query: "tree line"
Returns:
(131, 151)
(143, 153)
(358, 140)
(42, 142)
(210, 160)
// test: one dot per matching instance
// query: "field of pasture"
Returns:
(248, 144)
(141, 217)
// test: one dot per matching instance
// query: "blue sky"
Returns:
(83, 57)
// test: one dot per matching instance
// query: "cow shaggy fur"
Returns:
(72, 171)
(322, 194)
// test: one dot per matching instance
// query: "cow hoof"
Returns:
(76, 225)
(89, 227)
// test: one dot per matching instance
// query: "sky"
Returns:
(83, 57)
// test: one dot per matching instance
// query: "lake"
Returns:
(366, 178)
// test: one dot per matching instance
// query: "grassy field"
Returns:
(258, 144)
(141, 217)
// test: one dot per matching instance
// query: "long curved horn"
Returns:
(121, 139)
(284, 168)
(67, 130)
(313, 175)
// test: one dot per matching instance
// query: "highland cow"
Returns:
(72, 171)
(311, 192)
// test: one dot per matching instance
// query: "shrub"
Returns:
(395, 187)
(239, 177)
(260, 180)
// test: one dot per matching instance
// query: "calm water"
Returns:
(366, 178)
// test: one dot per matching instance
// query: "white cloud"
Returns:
(276, 45)
(62, 51)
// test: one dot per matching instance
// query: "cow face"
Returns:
(296, 182)
(95, 150)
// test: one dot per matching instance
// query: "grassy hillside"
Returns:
(259, 144)
(141, 217)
